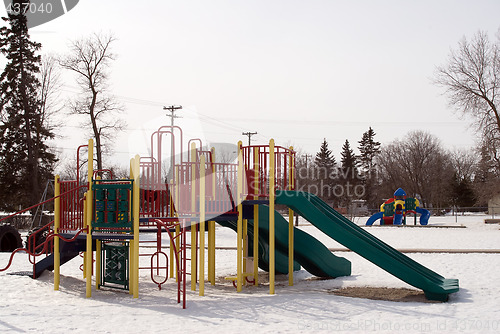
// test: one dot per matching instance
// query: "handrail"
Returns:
(49, 238)
(46, 201)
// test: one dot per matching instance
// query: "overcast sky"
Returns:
(295, 71)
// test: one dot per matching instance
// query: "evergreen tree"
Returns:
(324, 157)
(324, 171)
(349, 160)
(349, 174)
(25, 160)
(369, 149)
(462, 192)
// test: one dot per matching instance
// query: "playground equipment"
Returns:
(394, 210)
(103, 218)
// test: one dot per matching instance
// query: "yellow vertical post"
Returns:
(291, 175)
(271, 218)
(256, 217)
(57, 225)
(90, 215)
(245, 246)
(98, 261)
(177, 228)
(131, 256)
(239, 241)
(84, 271)
(211, 252)
(211, 226)
(194, 245)
(202, 225)
(135, 213)
(98, 264)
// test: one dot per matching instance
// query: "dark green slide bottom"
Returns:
(341, 229)
(309, 253)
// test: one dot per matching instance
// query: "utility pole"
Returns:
(307, 155)
(249, 134)
(172, 116)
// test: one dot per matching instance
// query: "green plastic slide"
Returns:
(341, 229)
(309, 253)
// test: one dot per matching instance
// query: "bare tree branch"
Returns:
(90, 58)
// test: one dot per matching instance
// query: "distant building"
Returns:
(494, 205)
(359, 208)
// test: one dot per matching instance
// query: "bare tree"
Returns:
(472, 82)
(90, 58)
(464, 163)
(417, 164)
(50, 85)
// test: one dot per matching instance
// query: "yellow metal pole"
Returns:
(202, 225)
(98, 263)
(290, 221)
(211, 252)
(211, 226)
(98, 259)
(245, 246)
(177, 228)
(85, 224)
(194, 245)
(239, 248)
(90, 216)
(271, 218)
(256, 217)
(131, 245)
(57, 225)
(135, 209)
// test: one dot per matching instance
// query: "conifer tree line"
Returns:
(417, 163)
(28, 84)
(26, 161)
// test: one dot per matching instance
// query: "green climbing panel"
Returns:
(115, 265)
(112, 205)
(389, 209)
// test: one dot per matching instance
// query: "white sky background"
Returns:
(295, 71)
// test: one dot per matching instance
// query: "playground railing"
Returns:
(257, 170)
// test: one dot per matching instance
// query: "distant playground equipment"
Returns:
(101, 220)
(394, 210)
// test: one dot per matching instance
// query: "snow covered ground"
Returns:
(29, 305)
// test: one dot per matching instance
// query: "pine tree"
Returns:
(349, 164)
(25, 160)
(324, 157)
(369, 149)
(324, 171)
(349, 174)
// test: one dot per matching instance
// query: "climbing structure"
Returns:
(180, 192)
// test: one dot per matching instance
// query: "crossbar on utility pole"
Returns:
(172, 116)
(249, 134)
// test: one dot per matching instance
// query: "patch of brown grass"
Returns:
(383, 293)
